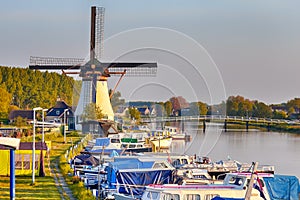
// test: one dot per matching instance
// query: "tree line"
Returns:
(233, 106)
(22, 88)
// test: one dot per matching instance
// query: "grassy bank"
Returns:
(45, 187)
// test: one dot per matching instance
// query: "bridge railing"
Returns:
(219, 117)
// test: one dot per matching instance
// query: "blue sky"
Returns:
(254, 44)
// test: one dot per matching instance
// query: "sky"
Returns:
(206, 50)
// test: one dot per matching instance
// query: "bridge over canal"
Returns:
(254, 121)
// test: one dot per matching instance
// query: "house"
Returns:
(25, 114)
(145, 111)
(60, 112)
(23, 158)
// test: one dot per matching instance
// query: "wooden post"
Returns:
(268, 127)
(204, 126)
(250, 186)
(247, 125)
(225, 125)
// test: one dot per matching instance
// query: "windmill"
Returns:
(94, 73)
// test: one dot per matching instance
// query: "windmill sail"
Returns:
(94, 73)
(99, 32)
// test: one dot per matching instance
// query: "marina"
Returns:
(200, 167)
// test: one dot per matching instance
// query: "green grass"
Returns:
(44, 187)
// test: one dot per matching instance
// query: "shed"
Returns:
(23, 158)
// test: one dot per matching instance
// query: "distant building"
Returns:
(25, 114)
(144, 111)
(57, 112)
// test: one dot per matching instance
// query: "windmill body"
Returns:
(94, 73)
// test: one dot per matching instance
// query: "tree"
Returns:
(262, 110)
(135, 114)
(179, 103)
(168, 108)
(202, 108)
(239, 106)
(19, 122)
(92, 112)
(5, 100)
(294, 104)
(116, 100)
(279, 114)
(198, 108)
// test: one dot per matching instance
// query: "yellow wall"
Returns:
(24, 167)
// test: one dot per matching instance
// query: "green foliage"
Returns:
(92, 112)
(293, 106)
(262, 110)
(168, 107)
(73, 134)
(279, 114)
(135, 114)
(239, 106)
(29, 88)
(198, 108)
(20, 122)
(5, 99)
(116, 100)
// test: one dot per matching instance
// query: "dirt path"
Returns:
(62, 186)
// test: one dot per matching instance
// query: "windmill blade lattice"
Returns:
(133, 69)
(55, 63)
(99, 32)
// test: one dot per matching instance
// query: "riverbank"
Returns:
(53, 185)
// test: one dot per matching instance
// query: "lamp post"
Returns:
(65, 112)
(33, 144)
(43, 126)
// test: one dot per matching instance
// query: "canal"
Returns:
(271, 148)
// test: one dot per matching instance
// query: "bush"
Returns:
(75, 179)
(73, 134)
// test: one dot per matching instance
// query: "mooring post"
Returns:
(225, 125)
(12, 175)
(204, 126)
(268, 127)
(247, 125)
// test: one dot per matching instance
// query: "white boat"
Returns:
(136, 147)
(175, 133)
(234, 186)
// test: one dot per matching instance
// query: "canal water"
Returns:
(271, 148)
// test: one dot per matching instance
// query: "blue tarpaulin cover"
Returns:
(282, 187)
(123, 173)
(139, 179)
(102, 142)
(105, 151)
(113, 154)
(225, 198)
